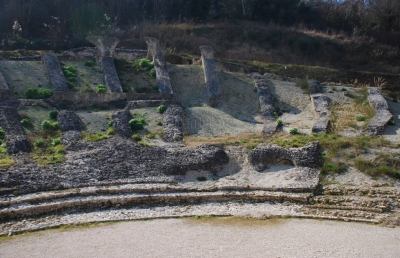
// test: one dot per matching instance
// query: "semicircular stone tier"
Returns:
(382, 117)
(264, 155)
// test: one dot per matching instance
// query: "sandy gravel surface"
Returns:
(221, 237)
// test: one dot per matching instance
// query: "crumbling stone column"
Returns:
(55, 73)
(321, 105)
(382, 114)
(160, 65)
(210, 75)
(16, 139)
(173, 124)
(121, 123)
(70, 121)
(111, 78)
(267, 103)
(3, 83)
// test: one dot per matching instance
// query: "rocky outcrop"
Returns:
(160, 65)
(55, 73)
(315, 87)
(321, 105)
(210, 74)
(112, 161)
(3, 83)
(110, 74)
(265, 155)
(16, 140)
(70, 121)
(121, 123)
(382, 116)
(267, 103)
(173, 124)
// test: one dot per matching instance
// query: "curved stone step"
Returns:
(355, 202)
(22, 210)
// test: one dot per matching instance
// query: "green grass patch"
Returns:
(382, 165)
(6, 161)
(48, 149)
(100, 136)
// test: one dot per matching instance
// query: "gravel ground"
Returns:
(220, 237)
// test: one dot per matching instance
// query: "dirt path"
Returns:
(221, 237)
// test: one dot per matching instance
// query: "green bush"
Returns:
(27, 123)
(138, 123)
(294, 131)
(143, 65)
(279, 123)
(361, 118)
(40, 143)
(50, 126)
(53, 115)
(101, 88)
(38, 93)
(333, 168)
(161, 109)
(56, 142)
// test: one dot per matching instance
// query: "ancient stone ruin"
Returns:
(382, 114)
(70, 121)
(16, 140)
(267, 103)
(110, 74)
(162, 75)
(55, 73)
(210, 75)
(121, 123)
(321, 104)
(173, 124)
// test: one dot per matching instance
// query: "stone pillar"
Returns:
(267, 103)
(3, 83)
(160, 65)
(55, 73)
(210, 75)
(383, 116)
(321, 105)
(111, 78)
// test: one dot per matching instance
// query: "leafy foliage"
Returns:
(38, 93)
(101, 89)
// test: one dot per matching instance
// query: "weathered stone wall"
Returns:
(321, 105)
(382, 114)
(173, 124)
(16, 140)
(162, 75)
(70, 121)
(121, 123)
(55, 73)
(210, 75)
(146, 103)
(265, 155)
(112, 161)
(110, 74)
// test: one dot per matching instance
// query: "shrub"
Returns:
(138, 123)
(53, 115)
(49, 126)
(71, 74)
(136, 137)
(143, 65)
(279, 123)
(38, 93)
(161, 109)
(333, 168)
(27, 123)
(101, 88)
(294, 131)
(159, 123)
(56, 142)
(361, 118)
(39, 143)
(152, 73)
